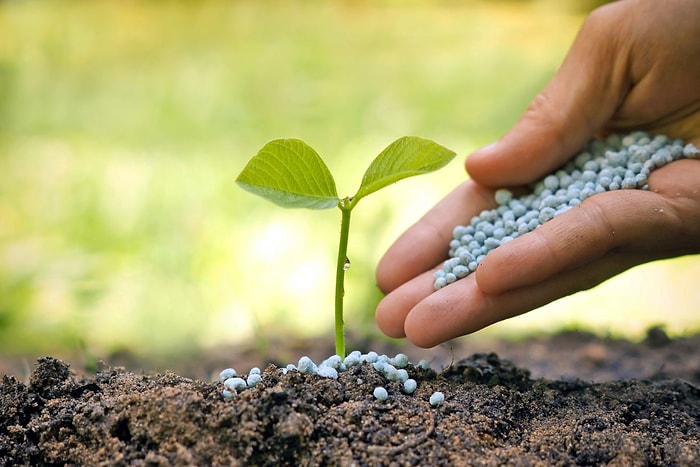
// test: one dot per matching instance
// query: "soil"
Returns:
(569, 399)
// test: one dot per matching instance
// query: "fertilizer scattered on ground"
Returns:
(391, 368)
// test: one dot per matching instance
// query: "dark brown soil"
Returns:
(645, 410)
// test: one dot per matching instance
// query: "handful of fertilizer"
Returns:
(618, 163)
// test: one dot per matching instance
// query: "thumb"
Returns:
(580, 98)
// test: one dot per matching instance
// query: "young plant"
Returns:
(290, 173)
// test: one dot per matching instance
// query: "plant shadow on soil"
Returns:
(642, 409)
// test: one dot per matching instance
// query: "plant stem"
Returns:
(345, 208)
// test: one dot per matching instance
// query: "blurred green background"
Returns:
(123, 125)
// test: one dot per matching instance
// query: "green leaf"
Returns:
(405, 157)
(290, 173)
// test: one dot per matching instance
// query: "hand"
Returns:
(635, 65)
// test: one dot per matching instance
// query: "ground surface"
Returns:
(546, 409)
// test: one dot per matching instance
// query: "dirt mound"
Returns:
(494, 413)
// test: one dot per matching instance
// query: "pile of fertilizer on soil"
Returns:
(494, 413)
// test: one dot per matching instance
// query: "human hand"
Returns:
(634, 66)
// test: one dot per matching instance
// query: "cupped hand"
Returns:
(603, 236)
(634, 66)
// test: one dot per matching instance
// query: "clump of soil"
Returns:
(494, 413)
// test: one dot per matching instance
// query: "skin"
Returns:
(635, 65)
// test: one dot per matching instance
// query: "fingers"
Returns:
(582, 234)
(462, 308)
(391, 312)
(607, 234)
(663, 221)
(665, 71)
(426, 243)
(578, 101)
(427, 317)
(632, 67)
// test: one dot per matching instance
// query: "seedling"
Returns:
(291, 174)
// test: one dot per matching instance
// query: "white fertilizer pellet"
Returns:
(381, 394)
(437, 398)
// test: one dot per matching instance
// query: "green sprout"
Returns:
(290, 173)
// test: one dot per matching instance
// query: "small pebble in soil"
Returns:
(618, 162)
